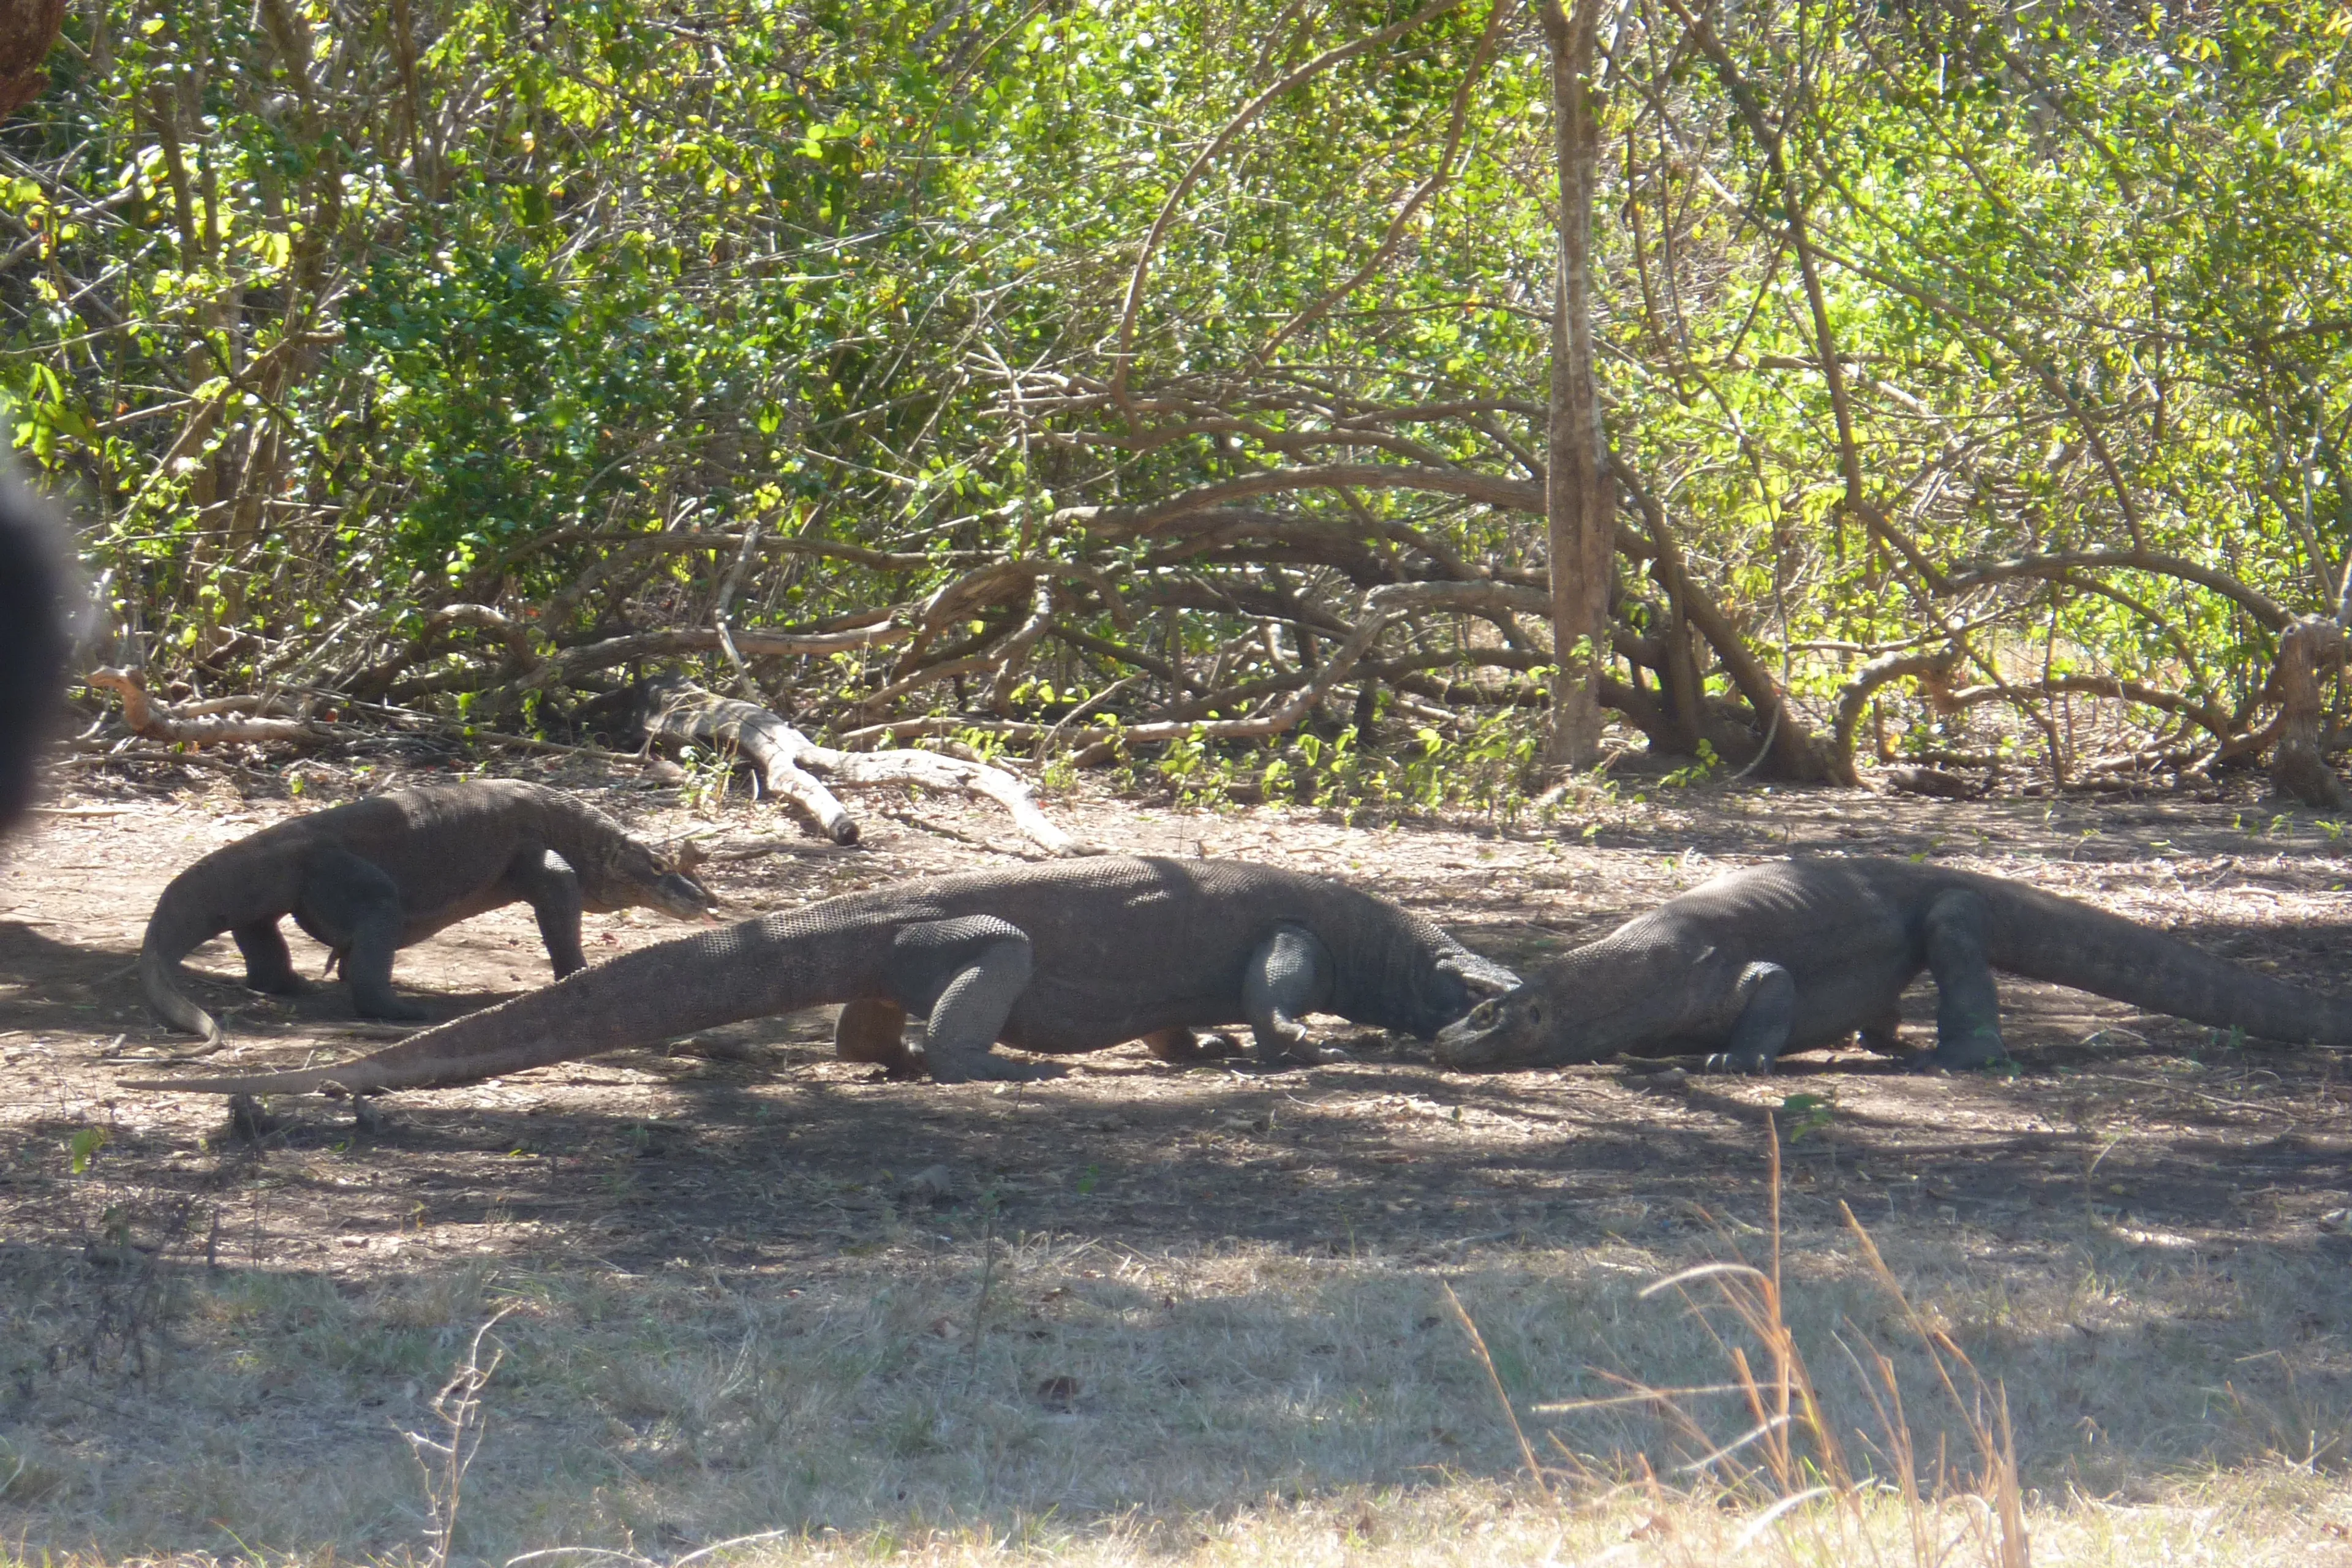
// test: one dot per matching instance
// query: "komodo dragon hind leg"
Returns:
(1767, 997)
(965, 975)
(356, 907)
(873, 1030)
(1286, 979)
(1968, 1007)
(269, 965)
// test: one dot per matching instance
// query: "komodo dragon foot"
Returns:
(956, 1066)
(1183, 1047)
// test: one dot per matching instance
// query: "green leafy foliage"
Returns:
(333, 325)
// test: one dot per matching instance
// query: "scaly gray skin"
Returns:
(388, 871)
(1805, 953)
(1069, 956)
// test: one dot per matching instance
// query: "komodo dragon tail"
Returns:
(181, 924)
(658, 993)
(2044, 937)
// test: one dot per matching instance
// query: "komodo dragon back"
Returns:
(454, 836)
(1120, 947)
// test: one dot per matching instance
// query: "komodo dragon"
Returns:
(388, 871)
(1069, 956)
(1801, 953)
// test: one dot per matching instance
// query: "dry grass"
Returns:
(1225, 1405)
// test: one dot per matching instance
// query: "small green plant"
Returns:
(707, 775)
(1698, 772)
(1200, 775)
(1807, 1114)
(986, 746)
(83, 1147)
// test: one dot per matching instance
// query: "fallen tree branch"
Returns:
(932, 771)
(160, 721)
(677, 709)
(788, 762)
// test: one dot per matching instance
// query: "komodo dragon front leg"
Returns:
(1764, 1004)
(1968, 1007)
(1288, 977)
(546, 881)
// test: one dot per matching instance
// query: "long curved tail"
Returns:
(744, 970)
(2044, 937)
(175, 930)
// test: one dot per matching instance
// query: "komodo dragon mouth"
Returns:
(1530, 1024)
(1499, 1032)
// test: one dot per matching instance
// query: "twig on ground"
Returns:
(459, 1407)
(1478, 1343)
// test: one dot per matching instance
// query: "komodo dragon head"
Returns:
(1584, 1007)
(1451, 985)
(629, 873)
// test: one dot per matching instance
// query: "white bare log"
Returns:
(788, 762)
(932, 771)
(161, 722)
(773, 747)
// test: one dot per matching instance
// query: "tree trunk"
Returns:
(27, 28)
(2299, 767)
(1576, 495)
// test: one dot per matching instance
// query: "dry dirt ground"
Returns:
(1161, 1311)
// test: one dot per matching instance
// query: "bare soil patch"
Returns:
(760, 1289)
